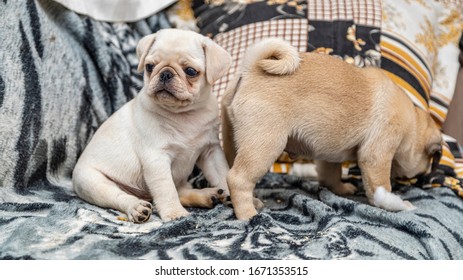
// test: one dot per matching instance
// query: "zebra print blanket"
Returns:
(62, 75)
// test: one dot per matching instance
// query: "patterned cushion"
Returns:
(419, 48)
(419, 44)
(310, 26)
(415, 42)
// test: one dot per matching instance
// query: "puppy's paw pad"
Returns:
(389, 201)
(228, 201)
(215, 201)
(216, 195)
(140, 212)
(220, 193)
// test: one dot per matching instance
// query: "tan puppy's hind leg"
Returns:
(252, 162)
(329, 175)
(377, 183)
(389, 201)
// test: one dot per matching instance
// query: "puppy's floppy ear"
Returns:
(434, 150)
(217, 60)
(143, 47)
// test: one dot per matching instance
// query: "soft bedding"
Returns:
(62, 74)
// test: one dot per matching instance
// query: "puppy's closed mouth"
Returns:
(164, 92)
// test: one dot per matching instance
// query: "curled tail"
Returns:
(274, 56)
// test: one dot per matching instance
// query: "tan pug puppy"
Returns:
(147, 149)
(322, 108)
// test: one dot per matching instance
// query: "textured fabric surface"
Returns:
(61, 75)
(300, 221)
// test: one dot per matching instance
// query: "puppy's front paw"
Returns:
(245, 213)
(389, 201)
(140, 212)
(174, 214)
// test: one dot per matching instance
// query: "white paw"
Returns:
(389, 201)
(140, 212)
(173, 214)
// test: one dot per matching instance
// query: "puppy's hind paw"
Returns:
(213, 197)
(389, 201)
(141, 212)
(220, 196)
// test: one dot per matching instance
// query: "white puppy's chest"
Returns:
(185, 151)
(180, 142)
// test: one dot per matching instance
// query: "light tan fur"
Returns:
(147, 149)
(327, 110)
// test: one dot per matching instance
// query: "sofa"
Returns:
(63, 73)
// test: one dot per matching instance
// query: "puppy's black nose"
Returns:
(166, 76)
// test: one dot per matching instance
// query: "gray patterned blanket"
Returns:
(62, 75)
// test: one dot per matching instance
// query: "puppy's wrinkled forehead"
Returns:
(178, 46)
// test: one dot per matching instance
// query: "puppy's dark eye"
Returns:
(149, 68)
(191, 72)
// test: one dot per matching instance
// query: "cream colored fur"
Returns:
(327, 110)
(146, 150)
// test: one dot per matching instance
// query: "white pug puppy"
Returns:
(147, 149)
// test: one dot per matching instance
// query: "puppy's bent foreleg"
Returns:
(94, 187)
(158, 178)
(329, 175)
